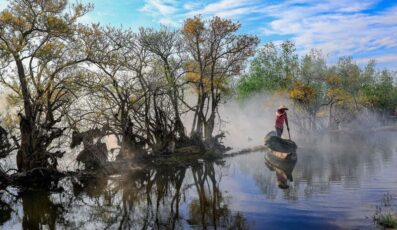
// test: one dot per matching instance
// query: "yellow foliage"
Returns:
(79, 10)
(193, 26)
(334, 80)
(193, 76)
(9, 121)
(339, 95)
(322, 114)
(334, 93)
(13, 100)
(57, 25)
(302, 93)
(368, 100)
(7, 17)
(133, 99)
(50, 48)
(192, 70)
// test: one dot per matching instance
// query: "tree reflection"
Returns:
(39, 211)
(211, 207)
(5, 211)
(152, 199)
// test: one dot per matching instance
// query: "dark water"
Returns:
(336, 184)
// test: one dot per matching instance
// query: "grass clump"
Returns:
(384, 215)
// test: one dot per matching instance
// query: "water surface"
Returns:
(336, 183)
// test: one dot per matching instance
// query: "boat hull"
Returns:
(281, 160)
(278, 144)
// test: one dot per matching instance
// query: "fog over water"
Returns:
(247, 122)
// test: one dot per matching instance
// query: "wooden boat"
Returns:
(280, 159)
(274, 155)
(282, 153)
(278, 144)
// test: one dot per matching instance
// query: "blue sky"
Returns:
(364, 29)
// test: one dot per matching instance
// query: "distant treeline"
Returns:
(339, 92)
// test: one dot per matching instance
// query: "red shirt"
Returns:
(280, 118)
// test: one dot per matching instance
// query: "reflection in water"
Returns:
(242, 193)
(146, 200)
(5, 212)
(349, 160)
(282, 167)
(40, 211)
(211, 208)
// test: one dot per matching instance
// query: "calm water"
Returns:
(336, 184)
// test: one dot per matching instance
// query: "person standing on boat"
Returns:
(281, 116)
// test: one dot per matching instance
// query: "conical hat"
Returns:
(282, 107)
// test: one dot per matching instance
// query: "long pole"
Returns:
(289, 135)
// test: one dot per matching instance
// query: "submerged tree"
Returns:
(216, 54)
(113, 94)
(166, 46)
(135, 91)
(39, 47)
(139, 86)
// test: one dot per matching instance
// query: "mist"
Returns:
(246, 122)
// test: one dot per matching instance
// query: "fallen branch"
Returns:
(246, 151)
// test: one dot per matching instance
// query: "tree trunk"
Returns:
(26, 145)
(129, 146)
(313, 121)
(209, 127)
(200, 118)
(179, 127)
(27, 127)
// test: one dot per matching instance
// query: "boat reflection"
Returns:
(282, 164)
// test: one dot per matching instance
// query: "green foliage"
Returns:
(309, 88)
(381, 92)
(271, 69)
(312, 84)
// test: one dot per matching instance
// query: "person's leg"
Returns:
(279, 132)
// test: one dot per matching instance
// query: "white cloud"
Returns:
(327, 26)
(174, 11)
(159, 7)
(233, 13)
(163, 10)
(168, 21)
(338, 27)
(387, 58)
(228, 8)
(191, 5)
